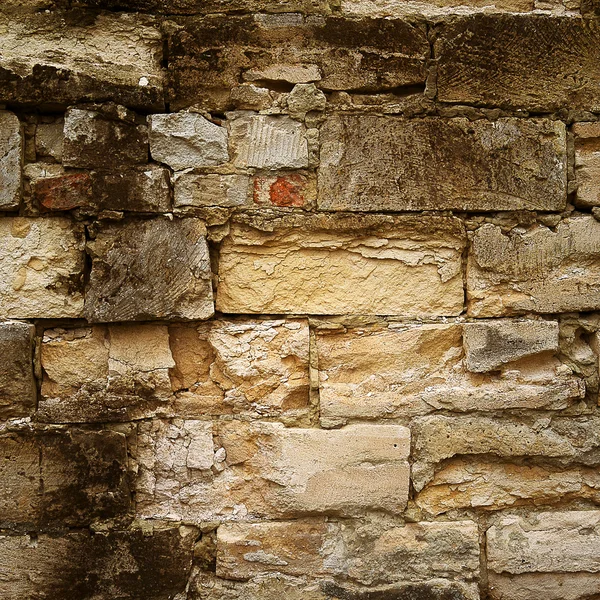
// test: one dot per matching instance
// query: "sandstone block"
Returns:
(17, 384)
(538, 270)
(60, 478)
(269, 142)
(69, 58)
(323, 265)
(187, 140)
(386, 163)
(587, 163)
(532, 62)
(42, 279)
(134, 563)
(377, 372)
(229, 191)
(62, 191)
(554, 586)
(94, 139)
(156, 269)
(491, 344)
(11, 160)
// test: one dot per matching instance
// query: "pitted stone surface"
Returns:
(11, 159)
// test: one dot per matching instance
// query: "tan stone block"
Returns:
(11, 161)
(550, 586)
(211, 190)
(376, 372)
(42, 279)
(398, 8)
(371, 163)
(587, 163)
(327, 265)
(538, 270)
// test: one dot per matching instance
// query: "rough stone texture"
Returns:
(42, 279)
(536, 62)
(587, 163)
(227, 191)
(385, 163)
(49, 140)
(555, 586)
(60, 191)
(17, 383)
(535, 270)
(210, 56)
(152, 269)
(293, 190)
(59, 478)
(97, 140)
(126, 372)
(265, 469)
(187, 140)
(137, 563)
(11, 158)
(406, 370)
(71, 57)
(398, 266)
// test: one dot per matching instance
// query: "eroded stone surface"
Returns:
(156, 269)
(535, 270)
(11, 159)
(587, 163)
(42, 279)
(228, 191)
(552, 586)
(320, 265)
(386, 163)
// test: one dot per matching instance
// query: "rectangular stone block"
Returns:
(533, 586)
(43, 278)
(371, 163)
(11, 161)
(17, 384)
(587, 163)
(228, 191)
(209, 56)
(267, 470)
(53, 189)
(62, 478)
(382, 372)
(532, 62)
(535, 270)
(432, 8)
(189, 7)
(70, 56)
(334, 265)
(136, 563)
(155, 269)
(127, 372)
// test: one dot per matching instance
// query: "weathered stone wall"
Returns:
(299, 299)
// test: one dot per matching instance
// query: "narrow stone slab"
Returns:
(520, 61)
(587, 163)
(11, 161)
(371, 163)
(228, 191)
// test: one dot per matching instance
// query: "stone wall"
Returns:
(299, 299)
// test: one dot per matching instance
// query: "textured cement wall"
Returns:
(299, 300)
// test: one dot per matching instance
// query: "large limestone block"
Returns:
(267, 470)
(335, 265)
(377, 372)
(62, 478)
(17, 383)
(437, 438)
(209, 56)
(228, 191)
(138, 563)
(545, 542)
(587, 163)
(386, 163)
(533, 586)
(156, 269)
(532, 62)
(41, 274)
(537, 270)
(11, 161)
(187, 140)
(69, 58)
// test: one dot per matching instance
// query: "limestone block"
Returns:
(385, 163)
(269, 142)
(11, 159)
(228, 191)
(137, 563)
(42, 279)
(325, 265)
(545, 542)
(156, 269)
(49, 140)
(68, 58)
(537, 270)
(533, 586)
(491, 344)
(377, 372)
(187, 140)
(437, 438)
(17, 384)
(532, 63)
(61, 478)
(94, 139)
(587, 163)
(304, 98)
